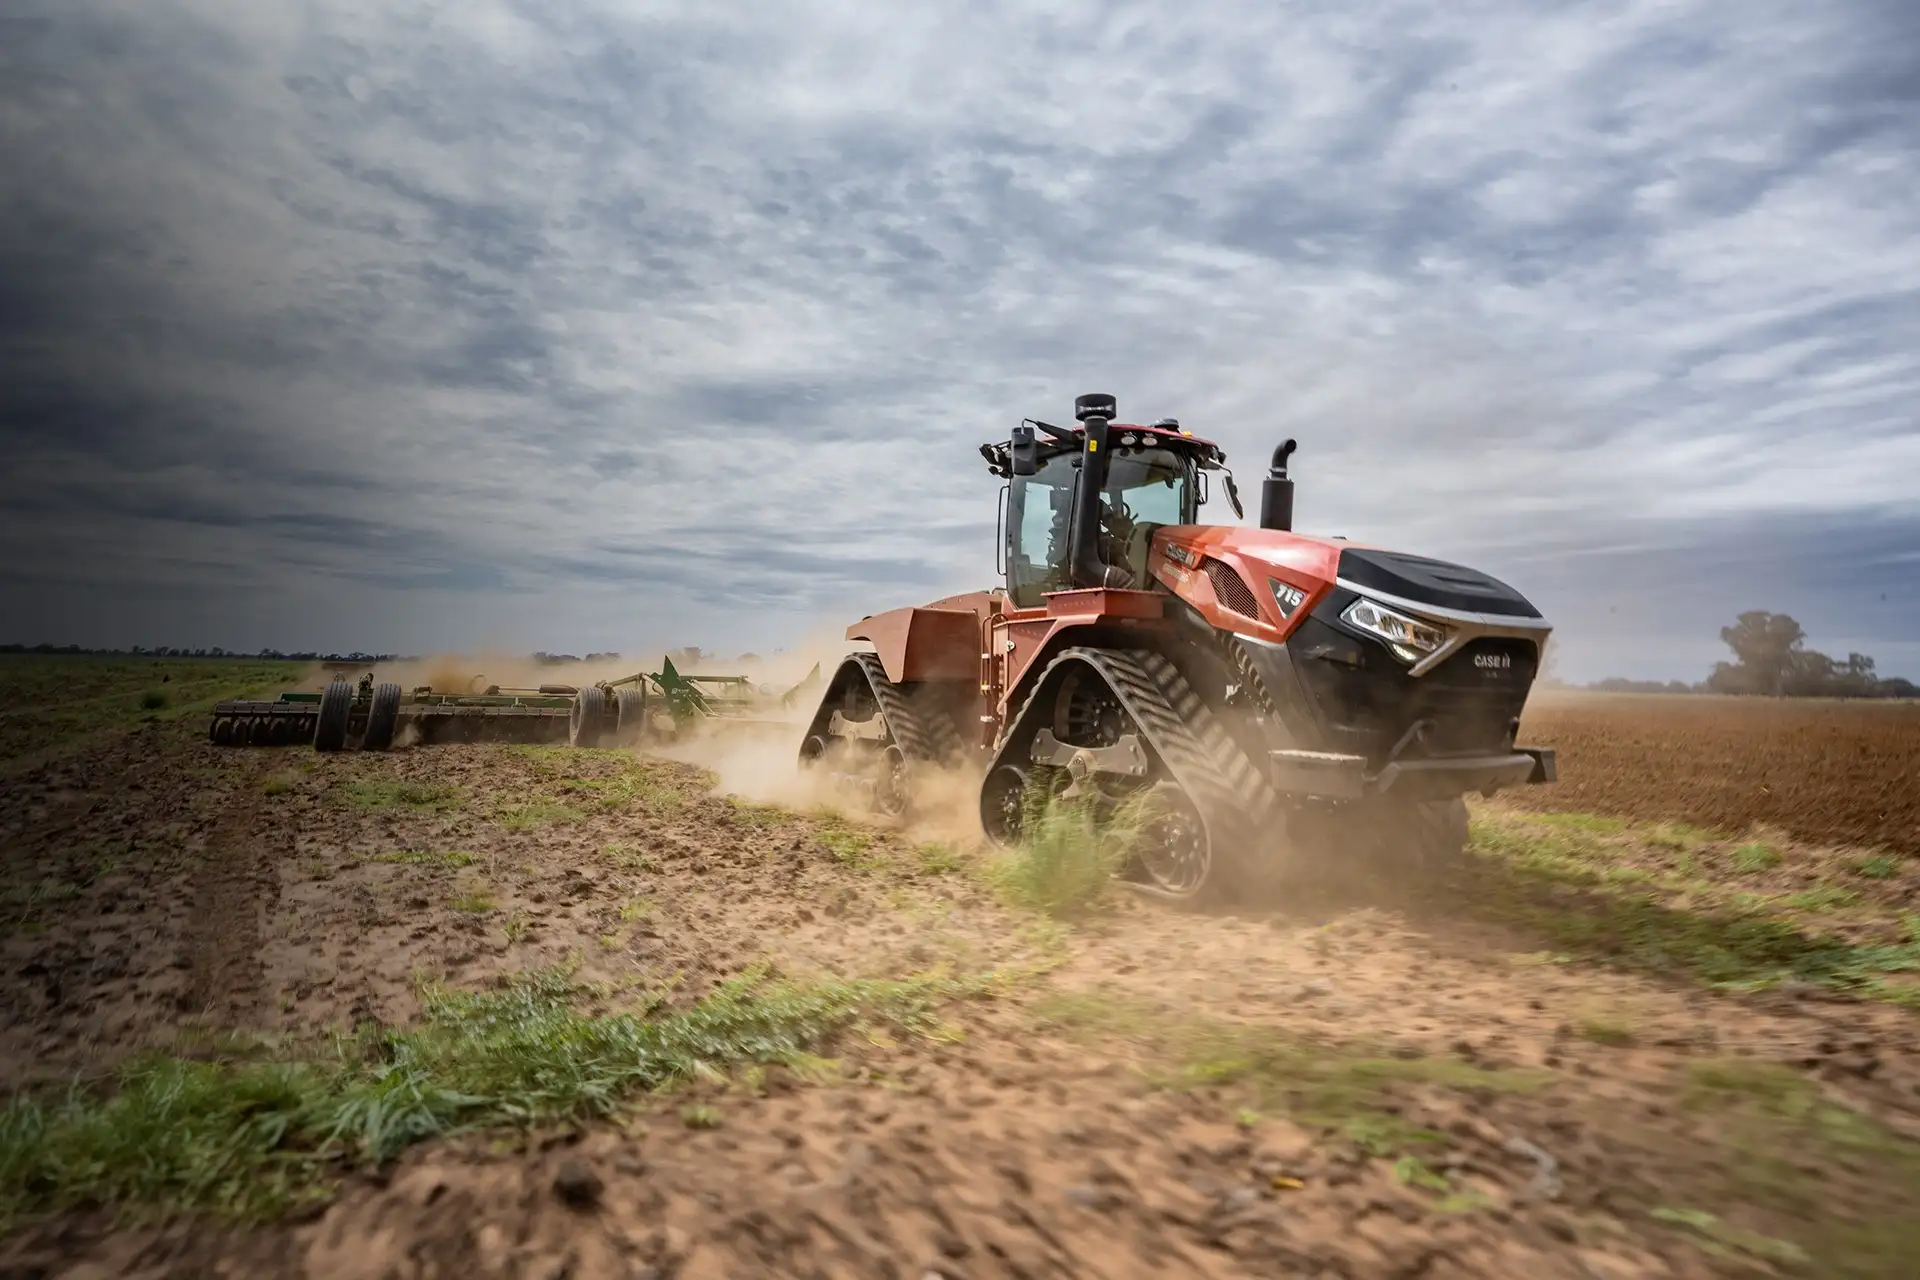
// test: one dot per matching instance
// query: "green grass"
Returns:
(425, 858)
(277, 784)
(1607, 1032)
(940, 859)
(474, 903)
(1877, 867)
(527, 815)
(55, 704)
(1837, 1181)
(1352, 1091)
(394, 793)
(1608, 893)
(635, 910)
(253, 1139)
(1065, 863)
(849, 845)
(630, 859)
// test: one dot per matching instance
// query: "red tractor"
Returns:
(1255, 691)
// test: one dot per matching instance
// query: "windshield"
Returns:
(1146, 489)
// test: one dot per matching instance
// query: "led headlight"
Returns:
(1409, 638)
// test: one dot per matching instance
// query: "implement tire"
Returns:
(336, 708)
(383, 717)
(629, 715)
(588, 717)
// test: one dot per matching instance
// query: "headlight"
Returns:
(1409, 638)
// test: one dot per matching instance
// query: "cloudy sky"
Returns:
(585, 324)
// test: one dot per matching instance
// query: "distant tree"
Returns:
(1765, 649)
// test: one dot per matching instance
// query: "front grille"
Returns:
(1366, 701)
(1231, 588)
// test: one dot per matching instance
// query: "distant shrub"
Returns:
(153, 699)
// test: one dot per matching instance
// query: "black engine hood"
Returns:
(1432, 582)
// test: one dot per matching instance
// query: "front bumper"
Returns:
(1327, 775)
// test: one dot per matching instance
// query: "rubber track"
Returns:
(1234, 800)
(902, 718)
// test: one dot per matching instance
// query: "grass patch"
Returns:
(1350, 1091)
(277, 784)
(1066, 861)
(628, 858)
(846, 844)
(1616, 896)
(475, 903)
(535, 813)
(1602, 1031)
(252, 1139)
(700, 1117)
(393, 793)
(745, 813)
(939, 859)
(425, 858)
(1838, 1180)
(634, 910)
(1877, 867)
(58, 703)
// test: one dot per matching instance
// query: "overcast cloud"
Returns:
(591, 325)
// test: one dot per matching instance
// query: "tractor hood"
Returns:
(1264, 583)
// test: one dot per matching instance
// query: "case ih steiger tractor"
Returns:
(1243, 693)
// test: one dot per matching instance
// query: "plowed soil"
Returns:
(1824, 771)
(1372, 1085)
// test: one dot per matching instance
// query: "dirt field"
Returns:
(1824, 771)
(491, 1011)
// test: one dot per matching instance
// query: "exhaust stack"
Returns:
(1093, 412)
(1276, 492)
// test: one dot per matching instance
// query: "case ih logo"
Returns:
(1180, 555)
(1493, 661)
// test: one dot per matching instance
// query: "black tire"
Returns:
(1003, 797)
(336, 708)
(383, 718)
(893, 783)
(588, 719)
(630, 715)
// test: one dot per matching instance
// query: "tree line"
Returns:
(1771, 659)
(163, 651)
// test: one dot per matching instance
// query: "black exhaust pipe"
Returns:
(1276, 493)
(1087, 567)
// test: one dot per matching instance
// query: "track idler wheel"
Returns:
(892, 783)
(1170, 847)
(383, 717)
(588, 717)
(336, 709)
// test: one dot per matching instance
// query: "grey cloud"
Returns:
(452, 308)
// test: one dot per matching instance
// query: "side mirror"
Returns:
(1233, 495)
(1026, 454)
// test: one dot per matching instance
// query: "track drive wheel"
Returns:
(1003, 805)
(383, 717)
(336, 708)
(588, 718)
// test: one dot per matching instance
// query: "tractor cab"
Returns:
(1152, 478)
